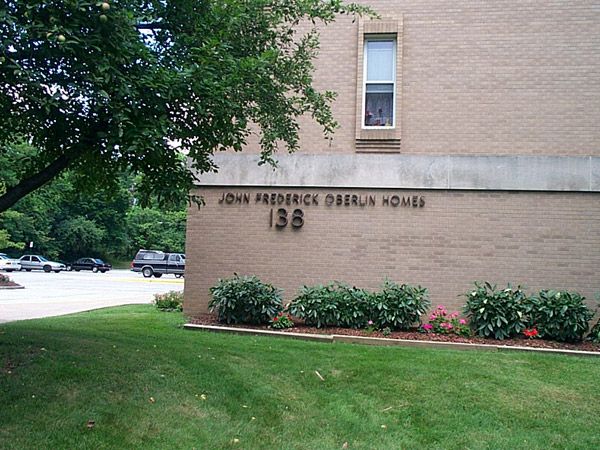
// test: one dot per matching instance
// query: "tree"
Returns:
(66, 222)
(154, 229)
(79, 235)
(104, 87)
(5, 241)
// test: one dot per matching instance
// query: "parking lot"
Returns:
(53, 294)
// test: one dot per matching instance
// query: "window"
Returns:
(154, 256)
(379, 82)
(379, 85)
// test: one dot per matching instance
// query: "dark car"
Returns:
(156, 263)
(93, 264)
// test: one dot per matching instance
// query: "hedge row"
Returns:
(504, 313)
(489, 311)
(249, 300)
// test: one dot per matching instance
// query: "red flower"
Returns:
(275, 319)
(530, 332)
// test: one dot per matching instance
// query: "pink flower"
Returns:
(454, 315)
(370, 322)
(462, 321)
(441, 307)
(432, 317)
(427, 326)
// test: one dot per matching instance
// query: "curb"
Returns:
(254, 332)
(364, 340)
(556, 351)
(12, 287)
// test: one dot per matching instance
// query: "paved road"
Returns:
(55, 294)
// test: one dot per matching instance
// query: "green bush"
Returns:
(245, 299)
(171, 301)
(339, 305)
(496, 313)
(594, 335)
(333, 305)
(559, 315)
(398, 306)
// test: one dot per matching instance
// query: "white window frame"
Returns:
(371, 38)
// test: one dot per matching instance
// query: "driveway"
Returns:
(55, 294)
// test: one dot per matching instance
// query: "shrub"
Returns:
(333, 305)
(594, 335)
(4, 279)
(443, 323)
(282, 321)
(559, 315)
(496, 313)
(337, 304)
(398, 306)
(171, 301)
(245, 299)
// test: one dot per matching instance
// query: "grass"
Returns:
(147, 383)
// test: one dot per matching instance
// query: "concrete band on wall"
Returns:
(400, 171)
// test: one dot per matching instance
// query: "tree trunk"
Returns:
(28, 185)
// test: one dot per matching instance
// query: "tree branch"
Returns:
(28, 185)
(150, 26)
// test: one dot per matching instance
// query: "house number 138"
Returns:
(280, 218)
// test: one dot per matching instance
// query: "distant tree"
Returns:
(8, 240)
(46, 217)
(79, 236)
(155, 229)
(5, 241)
(103, 87)
(71, 217)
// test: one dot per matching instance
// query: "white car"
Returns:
(9, 264)
(37, 262)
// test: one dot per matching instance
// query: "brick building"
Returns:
(468, 149)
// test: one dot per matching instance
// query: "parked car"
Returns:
(156, 263)
(8, 264)
(37, 262)
(93, 264)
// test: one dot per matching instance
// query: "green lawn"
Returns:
(148, 383)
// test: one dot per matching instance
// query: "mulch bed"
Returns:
(299, 327)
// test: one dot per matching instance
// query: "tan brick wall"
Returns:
(543, 240)
(480, 78)
(502, 76)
